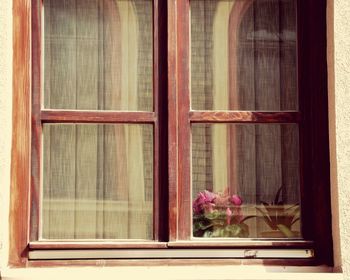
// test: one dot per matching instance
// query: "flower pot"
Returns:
(276, 234)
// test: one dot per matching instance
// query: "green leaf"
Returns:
(277, 197)
(208, 234)
(204, 226)
(213, 215)
(297, 219)
(289, 208)
(286, 231)
(248, 217)
(233, 230)
(264, 203)
(267, 219)
(219, 232)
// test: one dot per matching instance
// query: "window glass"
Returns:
(245, 180)
(97, 181)
(243, 55)
(98, 55)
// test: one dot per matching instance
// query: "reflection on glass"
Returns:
(97, 182)
(98, 54)
(245, 180)
(243, 55)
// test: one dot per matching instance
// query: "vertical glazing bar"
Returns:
(172, 121)
(183, 93)
(160, 134)
(36, 122)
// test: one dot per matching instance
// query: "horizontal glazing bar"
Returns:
(71, 116)
(220, 243)
(244, 116)
(250, 243)
(93, 244)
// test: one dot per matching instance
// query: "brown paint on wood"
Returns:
(45, 245)
(312, 76)
(314, 127)
(237, 244)
(242, 244)
(20, 155)
(36, 122)
(183, 93)
(172, 122)
(161, 135)
(70, 116)
(244, 117)
(156, 155)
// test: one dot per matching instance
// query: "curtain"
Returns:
(97, 178)
(243, 57)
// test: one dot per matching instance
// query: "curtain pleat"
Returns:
(94, 181)
(251, 53)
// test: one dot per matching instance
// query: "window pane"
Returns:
(243, 55)
(97, 181)
(245, 170)
(98, 55)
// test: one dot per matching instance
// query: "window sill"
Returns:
(174, 272)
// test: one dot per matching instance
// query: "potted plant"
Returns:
(279, 217)
(218, 215)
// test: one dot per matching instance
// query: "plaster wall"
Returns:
(339, 97)
(339, 107)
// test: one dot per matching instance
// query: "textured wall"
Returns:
(339, 123)
(5, 121)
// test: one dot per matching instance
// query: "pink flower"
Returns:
(209, 207)
(198, 205)
(203, 198)
(209, 196)
(222, 201)
(228, 215)
(236, 200)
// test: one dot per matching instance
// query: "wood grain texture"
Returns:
(75, 116)
(94, 244)
(36, 122)
(314, 139)
(20, 155)
(245, 243)
(276, 244)
(183, 93)
(173, 127)
(244, 117)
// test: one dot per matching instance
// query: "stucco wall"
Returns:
(339, 93)
(5, 121)
(340, 123)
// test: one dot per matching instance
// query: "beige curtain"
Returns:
(97, 179)
(249, 64)
(264, 44)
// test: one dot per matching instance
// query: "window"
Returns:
(97, 176)
(188, 130)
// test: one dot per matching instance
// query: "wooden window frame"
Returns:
(314, 137)
(171, 85)
(156, 118)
